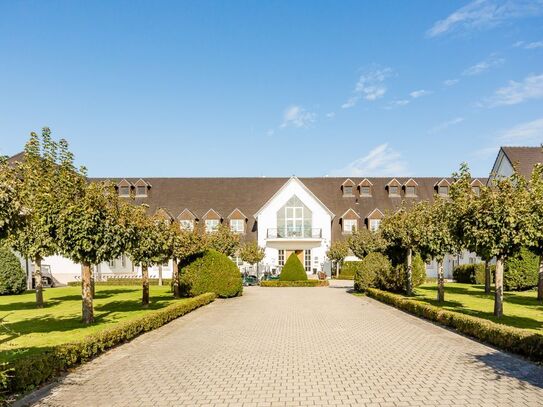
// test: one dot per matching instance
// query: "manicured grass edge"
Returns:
(122, 281)
(516, 340)
(301, 283)
(30, 371)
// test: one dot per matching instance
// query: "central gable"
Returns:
(294, 187)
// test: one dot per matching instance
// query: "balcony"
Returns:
(299, 232)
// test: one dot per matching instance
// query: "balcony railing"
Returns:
(299, 232)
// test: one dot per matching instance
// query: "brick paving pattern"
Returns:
(299, 347)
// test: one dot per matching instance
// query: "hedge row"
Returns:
(122, 281)
(505, 337)
(301, 283)
(29, 371)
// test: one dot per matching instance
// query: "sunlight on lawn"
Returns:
(521, 309)
(26, 328)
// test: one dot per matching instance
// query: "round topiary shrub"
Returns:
(12, 275)
(210, 272)
(372, 271)
(293, 270)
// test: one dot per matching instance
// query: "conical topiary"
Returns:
(293, 270)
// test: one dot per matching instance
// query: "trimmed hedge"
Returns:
(122, 281)
(293, 270)
(30, 371)
(516, 340)
(521, 271)
(12, 275)
(299, 283)
(348, 270)
(472, 273)
(211, 272)
(372, 269)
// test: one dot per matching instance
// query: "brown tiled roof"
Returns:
(524, 158)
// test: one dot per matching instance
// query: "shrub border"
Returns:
(300, 283)
(122, 281)
(27, 372)
(516, 340)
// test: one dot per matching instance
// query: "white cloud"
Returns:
(397, 103)
(442, 126)
(297, 116)
(419, 93)
(370, 86)
(530, 87)
(529, 132)
(483, 66)
(481, 14)
(529, 45)
(451, 82)
(381, 161)
(330, 114)
(270, 132)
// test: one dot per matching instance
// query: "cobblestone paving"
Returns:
(298, 347)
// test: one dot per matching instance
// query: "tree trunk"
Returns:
(540, 281)
(488, 277)
(337, 269)
(38, 282)
(498, 292)
(175, 278)
(440, 282)
(86, 293)
(145, 284)
(160, 274)
(409, 288)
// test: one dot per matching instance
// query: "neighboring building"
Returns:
(521, 158)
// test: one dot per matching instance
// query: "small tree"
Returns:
(402, 232)
(536, 239)
(147, 244)
(46, 188)
(337, 252)
(437, 238)
(499, 220)
(363, 242)
(10, 205)
(91, 231)
(251, 253)
(223, 240)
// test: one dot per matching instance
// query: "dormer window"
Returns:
(124, 190)
(141, 191)
(186, 224)
(237, 225)
(374, 220)
(443, 190)
(476, 190)
(349, 226)
(393, 188)
(186, 220)
(410, 188)
(348, 187)
(142, 188)
(212, 225)
(365, 188)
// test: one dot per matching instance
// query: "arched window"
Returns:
(294, 219)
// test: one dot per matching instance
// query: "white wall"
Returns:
(450, 262)
(321, 219)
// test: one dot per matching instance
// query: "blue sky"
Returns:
(274, 88)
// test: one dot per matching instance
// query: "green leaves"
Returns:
(251, 253)
(338, 251)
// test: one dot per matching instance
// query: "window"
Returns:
(393, 190)
(237, 225)
(410, 191)
(123, 260)
(112, 263)
(166, 264)
(365, 191)
(212, 225)
(141, 190)
(281, 257)
(307, 260)
(374, 224)
(443, 190)
(124, 190)
(238, 261)
(186, 224)
(349, 226)
(347, 190)
(476, 190)
(294, 219)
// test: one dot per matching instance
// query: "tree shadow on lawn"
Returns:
(132, 305)
(28, 305)
(503, 364)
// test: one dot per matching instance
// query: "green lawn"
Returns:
(27, 329)
(521, 309)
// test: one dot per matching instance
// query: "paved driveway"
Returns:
(300, 346)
